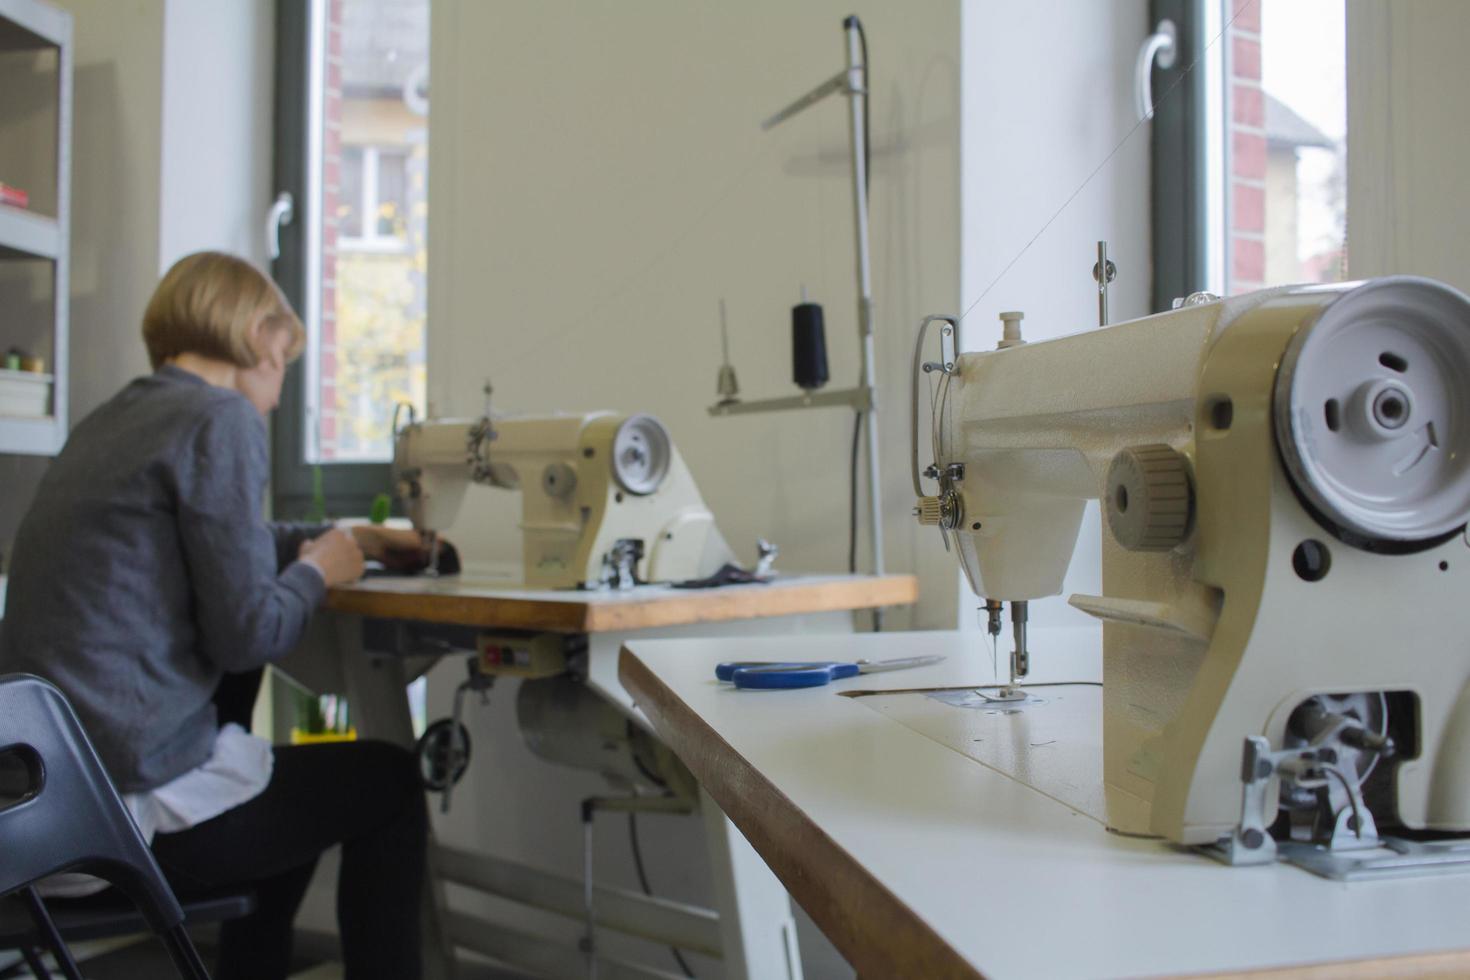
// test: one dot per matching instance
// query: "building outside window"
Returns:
(369, 349)
(1286, 112)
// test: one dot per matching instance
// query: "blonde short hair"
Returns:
(210, 303)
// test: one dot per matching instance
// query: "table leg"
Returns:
(376, 694)
(758, 934)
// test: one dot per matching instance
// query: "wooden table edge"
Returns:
(754, 602)
(486, 612)
(577, 615)
(1443, 965)
(801, 854)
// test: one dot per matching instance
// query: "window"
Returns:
(373, 205)
(368, 350)
(352, 97)
(1250, 147)
(1287, 120)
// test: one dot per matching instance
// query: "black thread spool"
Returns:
(808, 346)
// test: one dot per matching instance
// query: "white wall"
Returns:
(1408, 139)
(116, 146)
(116, 127)
(1048, 96)
(599, 182)
(218, 82)
(591, 220)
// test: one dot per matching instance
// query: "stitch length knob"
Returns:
(1149, 500)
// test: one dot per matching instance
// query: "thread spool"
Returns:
(808, 346)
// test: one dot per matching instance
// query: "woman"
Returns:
(146, 585)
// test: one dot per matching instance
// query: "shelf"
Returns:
(24, 234)
(29, 25)
(30, 30)
(29, 437)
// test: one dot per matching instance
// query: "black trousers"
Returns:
(363, 795)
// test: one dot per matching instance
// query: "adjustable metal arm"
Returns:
(840, 82)
(852, 82)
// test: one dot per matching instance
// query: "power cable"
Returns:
(643, 883)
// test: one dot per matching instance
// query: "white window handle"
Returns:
(1162, 45)
(280, 214)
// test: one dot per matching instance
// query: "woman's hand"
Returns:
(336, 555)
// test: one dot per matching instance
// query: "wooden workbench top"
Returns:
(917, 860)
(491, 603)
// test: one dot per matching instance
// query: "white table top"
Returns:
(1014, 881)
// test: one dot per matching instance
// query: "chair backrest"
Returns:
(71, 818)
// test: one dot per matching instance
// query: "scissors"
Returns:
(773, 674)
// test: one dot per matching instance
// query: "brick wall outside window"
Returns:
(1247, 149)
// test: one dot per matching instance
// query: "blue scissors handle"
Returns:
(726, 671)
(784, 676)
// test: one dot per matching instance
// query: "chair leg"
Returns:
(42, 920)
(185, 956)
(33, 960)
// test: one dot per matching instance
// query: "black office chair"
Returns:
(70, 818)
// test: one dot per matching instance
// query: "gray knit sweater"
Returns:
(143, 571)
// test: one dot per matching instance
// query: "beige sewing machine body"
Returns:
(606, 498)
(1286, 481)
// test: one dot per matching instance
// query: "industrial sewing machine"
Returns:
(606, 498)
(1286, 481)
(607, 502)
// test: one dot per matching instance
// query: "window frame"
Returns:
(1187, 157)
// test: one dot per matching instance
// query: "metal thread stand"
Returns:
(852, 82)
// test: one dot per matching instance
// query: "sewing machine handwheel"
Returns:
(642, 452)
(1370, 413)
(444, 755)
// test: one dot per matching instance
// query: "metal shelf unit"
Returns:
(32, 25)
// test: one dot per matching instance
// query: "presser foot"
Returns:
(1012, 694)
